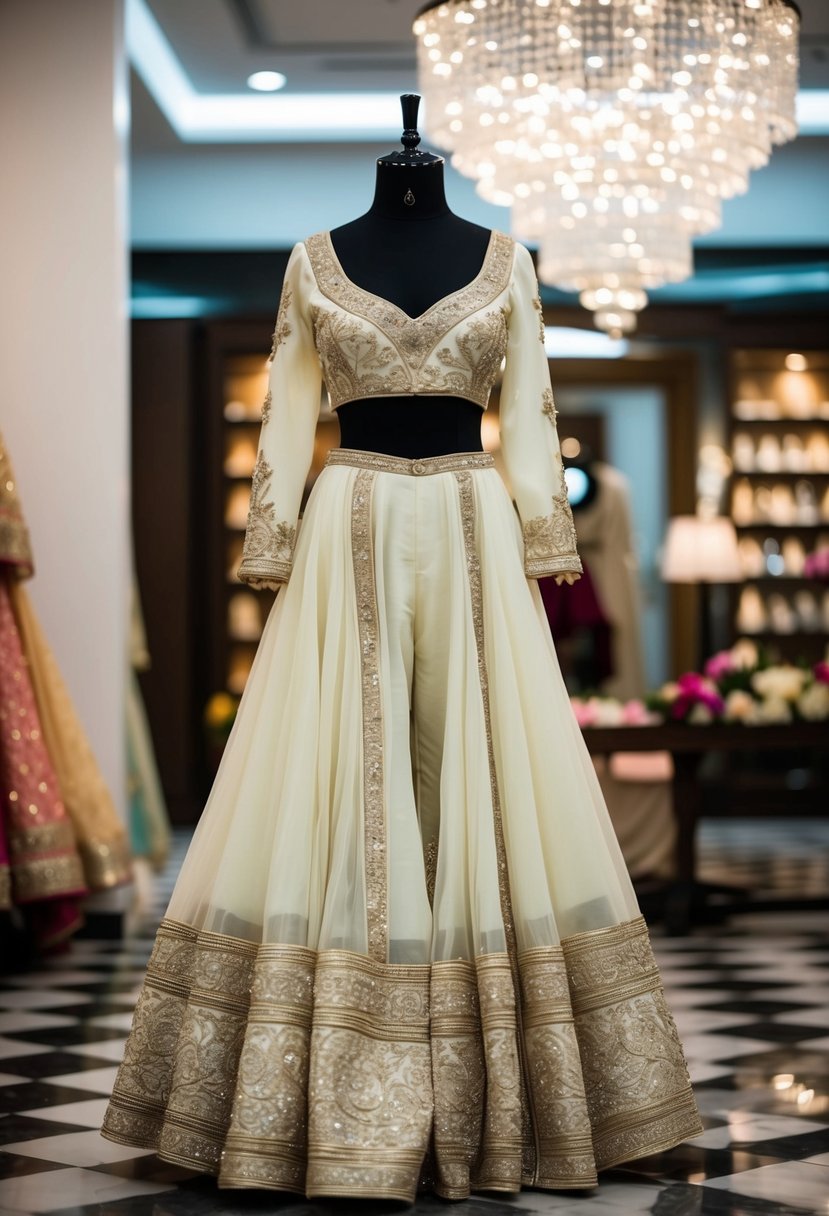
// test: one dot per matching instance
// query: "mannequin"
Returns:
(426, 253)
(411, 249)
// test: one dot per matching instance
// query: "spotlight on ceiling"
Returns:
(266, 82)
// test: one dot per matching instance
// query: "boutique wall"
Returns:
(64, 337)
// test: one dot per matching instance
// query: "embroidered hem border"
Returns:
(44, 861)
(106, 863)
(284, 1068)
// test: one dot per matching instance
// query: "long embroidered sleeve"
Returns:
(286, 439)
(529, 436)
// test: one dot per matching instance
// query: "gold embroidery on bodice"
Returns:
(370, 347)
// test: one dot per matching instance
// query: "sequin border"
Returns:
(374, 815)
(383, 463)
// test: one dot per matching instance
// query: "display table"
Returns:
(687, 746)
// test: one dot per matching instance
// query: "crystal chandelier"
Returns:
(612, 128)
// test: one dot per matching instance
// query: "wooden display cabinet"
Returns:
(779, 496)
(237, 374)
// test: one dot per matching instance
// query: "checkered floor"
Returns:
(751, 1000)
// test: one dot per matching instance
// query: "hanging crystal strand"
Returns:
(613, 128)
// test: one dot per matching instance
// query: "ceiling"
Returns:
(330, 45)
(229, 193)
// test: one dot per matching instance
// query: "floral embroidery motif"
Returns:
(218, 1073)
(480, 349)
(548, 405)
(266, 407)
(550, 540)
(282, 328)
(399, 352)
(539, 307)
(356, 361)
(268, 549)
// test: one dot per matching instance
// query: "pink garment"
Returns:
(573, 608)
(37, 843)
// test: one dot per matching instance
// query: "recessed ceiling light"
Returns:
(266, 82)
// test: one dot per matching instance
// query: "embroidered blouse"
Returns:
(363, 345)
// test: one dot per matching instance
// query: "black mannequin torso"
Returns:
(412, 255)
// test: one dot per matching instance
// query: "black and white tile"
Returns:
(751, 1001)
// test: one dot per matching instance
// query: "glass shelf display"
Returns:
(241, 613)
(779, 494)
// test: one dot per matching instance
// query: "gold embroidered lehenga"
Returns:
(403, 949)
(60, 835)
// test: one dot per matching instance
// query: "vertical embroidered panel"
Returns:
(473, 566)
(374, 802)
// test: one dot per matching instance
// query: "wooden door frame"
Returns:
(676, 373)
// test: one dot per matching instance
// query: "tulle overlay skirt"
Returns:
(404, 949)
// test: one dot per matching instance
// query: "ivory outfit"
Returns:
(403, 949)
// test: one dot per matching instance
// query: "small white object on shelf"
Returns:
(743, 449)
(794, 555)
(769, 458)
(751, 612)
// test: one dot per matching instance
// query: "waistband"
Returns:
(401, 464)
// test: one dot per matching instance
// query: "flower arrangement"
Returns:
(609, 711)
(742, 685)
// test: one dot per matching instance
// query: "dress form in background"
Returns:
(411, 250)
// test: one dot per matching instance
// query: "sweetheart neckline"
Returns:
(432, 307)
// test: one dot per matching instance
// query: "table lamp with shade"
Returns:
(703, 550)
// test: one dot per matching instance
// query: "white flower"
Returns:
(739, 706)
(669, 692)
(813, 704)
(744, 654)
(700, 715)
(609, 711)
(769, 712)
(784, 682)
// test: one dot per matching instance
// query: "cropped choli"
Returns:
(364, 346)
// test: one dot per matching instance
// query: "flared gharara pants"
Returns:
(403, 948)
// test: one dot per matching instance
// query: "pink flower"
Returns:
(821, 671)
(694, 689)
(719, 665)
(634, 713)
(585, 711)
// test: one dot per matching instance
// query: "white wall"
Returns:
(63, 336)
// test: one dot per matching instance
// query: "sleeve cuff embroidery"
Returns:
(267, 554)
(270, 575)
(550, 542)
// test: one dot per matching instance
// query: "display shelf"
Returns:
(768, 525)
(778, 419)
(243, 625)
(784, 474)
(236, 383)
